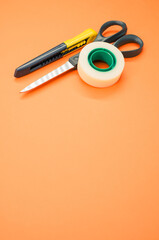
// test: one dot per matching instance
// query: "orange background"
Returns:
(76, 162)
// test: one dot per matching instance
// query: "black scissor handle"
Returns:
(113, 37)
(130, 38)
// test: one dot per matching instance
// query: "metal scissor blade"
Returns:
(64, 68)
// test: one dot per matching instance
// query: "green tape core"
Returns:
(102, 54)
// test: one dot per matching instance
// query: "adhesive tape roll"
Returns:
(100, 51)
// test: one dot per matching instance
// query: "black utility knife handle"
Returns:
(40, 61)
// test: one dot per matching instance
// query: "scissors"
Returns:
(120, 38)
